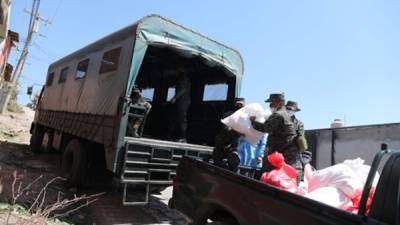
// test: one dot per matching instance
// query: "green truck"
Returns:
(84, 107)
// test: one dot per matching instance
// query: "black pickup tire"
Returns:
(74, 163)
(36, 139)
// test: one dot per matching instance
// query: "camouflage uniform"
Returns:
(299, 127)
(178, 126)
(137, 105)
(281, 138)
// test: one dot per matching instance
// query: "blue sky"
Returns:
(338, 59)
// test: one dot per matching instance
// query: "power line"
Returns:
(54, 14)
(44, 52)
(29, 79)
(33, 28)
(40, 59)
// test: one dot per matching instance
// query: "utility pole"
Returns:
(33, 28)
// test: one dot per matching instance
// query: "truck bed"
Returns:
(203, 191)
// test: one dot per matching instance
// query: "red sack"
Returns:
(356, 203)
(283, 176)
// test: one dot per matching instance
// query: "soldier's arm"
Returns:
(301, 128)
(271, 124)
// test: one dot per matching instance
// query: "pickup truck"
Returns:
(206, 194)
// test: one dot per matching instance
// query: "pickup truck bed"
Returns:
(207, 194)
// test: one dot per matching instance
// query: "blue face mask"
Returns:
(290, 112)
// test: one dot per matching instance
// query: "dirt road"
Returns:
(108, 209)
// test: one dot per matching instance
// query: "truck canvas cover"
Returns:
(100, 94)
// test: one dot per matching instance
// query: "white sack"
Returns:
(349, 176)
(331, 196)
(339, 176)
(240, 121)
(361, 170)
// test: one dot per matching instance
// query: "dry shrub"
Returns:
(39, 211)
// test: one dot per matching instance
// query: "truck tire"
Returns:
(74, 162)
(36, 139)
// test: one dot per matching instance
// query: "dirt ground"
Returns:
(14, 127)
(23, 168)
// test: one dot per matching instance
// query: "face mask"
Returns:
(273, 109)
(290, 112)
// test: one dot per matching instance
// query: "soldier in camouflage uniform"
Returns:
(138, 106)
(227, 141)
(281, 133)
(292, 108)
(181, 102)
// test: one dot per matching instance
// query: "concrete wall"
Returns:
(351, 142)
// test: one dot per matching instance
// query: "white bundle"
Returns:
(332, 196)
(240, 121)
(349, 177)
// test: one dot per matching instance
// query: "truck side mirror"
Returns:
(29, 90)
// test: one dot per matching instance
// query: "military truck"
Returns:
(84, 107)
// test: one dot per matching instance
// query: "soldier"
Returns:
(301, 142)
(139, 107)
(181, 100)
(292, 108)
(227, 142)
(282, 132)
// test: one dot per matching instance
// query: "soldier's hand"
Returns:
(252, 118)
(259, 159)
(173, 100)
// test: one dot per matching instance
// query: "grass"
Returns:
(18, 215)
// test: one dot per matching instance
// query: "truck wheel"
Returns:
(36, 139)
(74, 162)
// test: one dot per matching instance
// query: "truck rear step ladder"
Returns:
(152, 163)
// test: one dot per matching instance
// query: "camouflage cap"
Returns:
(276, 97)
(292, 105)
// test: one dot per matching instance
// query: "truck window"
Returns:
(81, 69)
(148, 94)
(63, 75)
(110, 60)
(171, 93)
(215, 92)
(50, 79)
